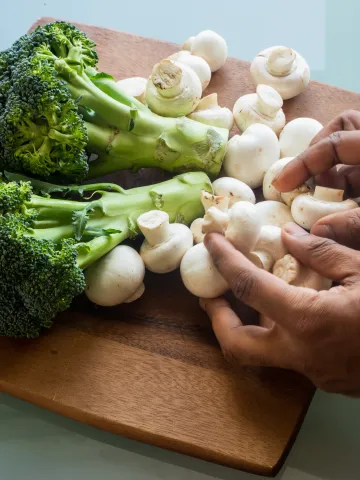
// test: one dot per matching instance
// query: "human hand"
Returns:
(333, 158)
(314, 333)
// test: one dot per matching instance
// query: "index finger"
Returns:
(340, 147)
(259, 289)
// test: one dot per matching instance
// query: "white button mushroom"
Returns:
(116, 278)
(308, 208)
(269, 248)
(209, 112)
(173, 89)
(250, 155)
(199, 274)
(196, 230)
(271, 193)
(215, 221)
(210, 46)
(234, 189)
(243, 229)
(274, 213)
(165, 244)
(294, 273)
(264, 106)
(209, 200)
(262, 244)
(198, 64)
(297, 135)
(135, 87)
(283, 69)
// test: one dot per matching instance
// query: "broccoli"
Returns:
(56, 110)
(46, 240)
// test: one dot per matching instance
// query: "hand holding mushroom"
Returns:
(334, 161)
(300, 329)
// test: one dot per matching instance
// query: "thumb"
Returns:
(343, 228)
(323, 255)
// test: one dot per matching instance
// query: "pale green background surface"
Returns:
(38, 445)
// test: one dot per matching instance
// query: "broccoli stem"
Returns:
(184, 145)
(115, 212)
(137, 137)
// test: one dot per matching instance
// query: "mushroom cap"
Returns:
(173, 89)
(307, 210)
(282, 68)
(264, 106)
(115, 277)
(244, 226)
(297, 135)
(200, 275)
(274, 213)
(250, 155)
(234, 189)
(197, 64)
(269, 191)
(211, 47)
(209, 112)
(135, 87)
(166, 256)
(196, 230)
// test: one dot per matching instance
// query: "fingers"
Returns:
(339, 147)
(257, 288)
(343, 177)
(343, 228)
(347, 121)
(323, 255)
(245, 345)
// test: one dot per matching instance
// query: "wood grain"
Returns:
(152, 370)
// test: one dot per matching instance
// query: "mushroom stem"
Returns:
(281, 61)
(328, 194)
(261, 259)
(154, 226)
(136, 295)
(209, 200)
(215, 221)
(269, 102)
(166, 77)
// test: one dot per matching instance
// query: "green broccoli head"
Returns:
(38, 278)
(41, 131)
(13, 196)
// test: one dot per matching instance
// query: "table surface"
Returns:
(39, 445)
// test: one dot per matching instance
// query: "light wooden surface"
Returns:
(152, 370)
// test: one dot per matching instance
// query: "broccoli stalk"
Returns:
(57, 106)
(47, 242)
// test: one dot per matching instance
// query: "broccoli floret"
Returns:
(46, 242)
(56, 109)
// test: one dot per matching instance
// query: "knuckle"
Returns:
(243, 285)
(350, 118)
(322, 249)
(353, 224)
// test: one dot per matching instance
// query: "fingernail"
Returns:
(324, 231)
(295, 230)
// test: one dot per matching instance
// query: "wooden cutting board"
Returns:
(152, 370)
